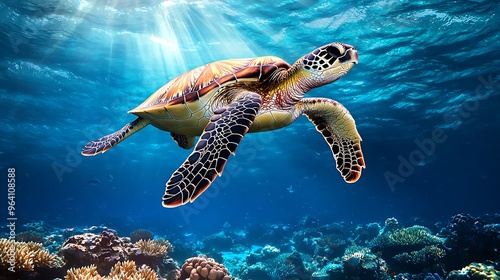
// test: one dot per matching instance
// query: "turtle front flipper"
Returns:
(219, 139)
(105, 143)
(338, 128)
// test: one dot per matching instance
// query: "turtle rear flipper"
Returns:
(105, 143)
(184, 141)
(219, 139)
(338, 128)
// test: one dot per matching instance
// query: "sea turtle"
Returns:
(223, 100)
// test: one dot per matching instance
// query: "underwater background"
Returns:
(425, 96)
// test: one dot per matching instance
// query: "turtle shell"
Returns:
(193, 85)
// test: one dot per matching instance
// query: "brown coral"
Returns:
(26, 256)
(103, 250)
(107, 249)
(153, 253)
(158, 248)
(122, 270)
(128, 270)
(83, 273)
(203, 268)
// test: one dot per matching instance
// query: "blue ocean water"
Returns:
(425, 97)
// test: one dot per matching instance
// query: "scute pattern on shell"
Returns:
(203, 268)
(199, 81)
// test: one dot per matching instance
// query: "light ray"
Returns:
(187, 34)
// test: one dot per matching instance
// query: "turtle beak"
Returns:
(350, 56)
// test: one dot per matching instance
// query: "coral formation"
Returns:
(26, 256)
(266, 263)
(83, 273)
(420, 276)
(360, 263)
(256, 271)
(30, 236)
(38, 226)
(262, 254)
(470, 239)
(141, 234)
(103, 250)
(411, 236)
(363, 234)
(330, 246)
(427, 254)
(411, 249)
(121, 271)
(390, 225)
(219, 240)
(475, 271)
(157, 248)
(154, 253)
(297, 264)
(202, 268)
(107, 249)
(467, 246)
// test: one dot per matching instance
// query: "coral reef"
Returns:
(30, 236)
(470, 239)
(467, 246)
(413, 249)
(158, 248)
(267, 263)
(121, 271)
(103, 250)
(26, 256)
(107, 249)
(363, 234)
(361, 263)
(297, 264)
(304, 240)
(423, 256)
(141, 234)
(475, 271)
(411, 236)
(262, 254)
(330, 246)
(390, 225)
(38, 226)
(154, 253)
(83, 273)
(202, 268)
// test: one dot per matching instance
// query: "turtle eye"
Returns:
(333, 51)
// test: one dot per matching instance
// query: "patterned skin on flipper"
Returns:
(219, 139)
(184, 141)
(338, 128)
(105, 143)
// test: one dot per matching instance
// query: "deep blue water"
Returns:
(425, 96)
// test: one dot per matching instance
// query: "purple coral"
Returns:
(470, 239)
(465, 223)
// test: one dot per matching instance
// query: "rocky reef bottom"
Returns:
(465, 247)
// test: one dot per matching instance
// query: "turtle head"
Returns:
(329, 63)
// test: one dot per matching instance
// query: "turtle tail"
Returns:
(105, 143)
